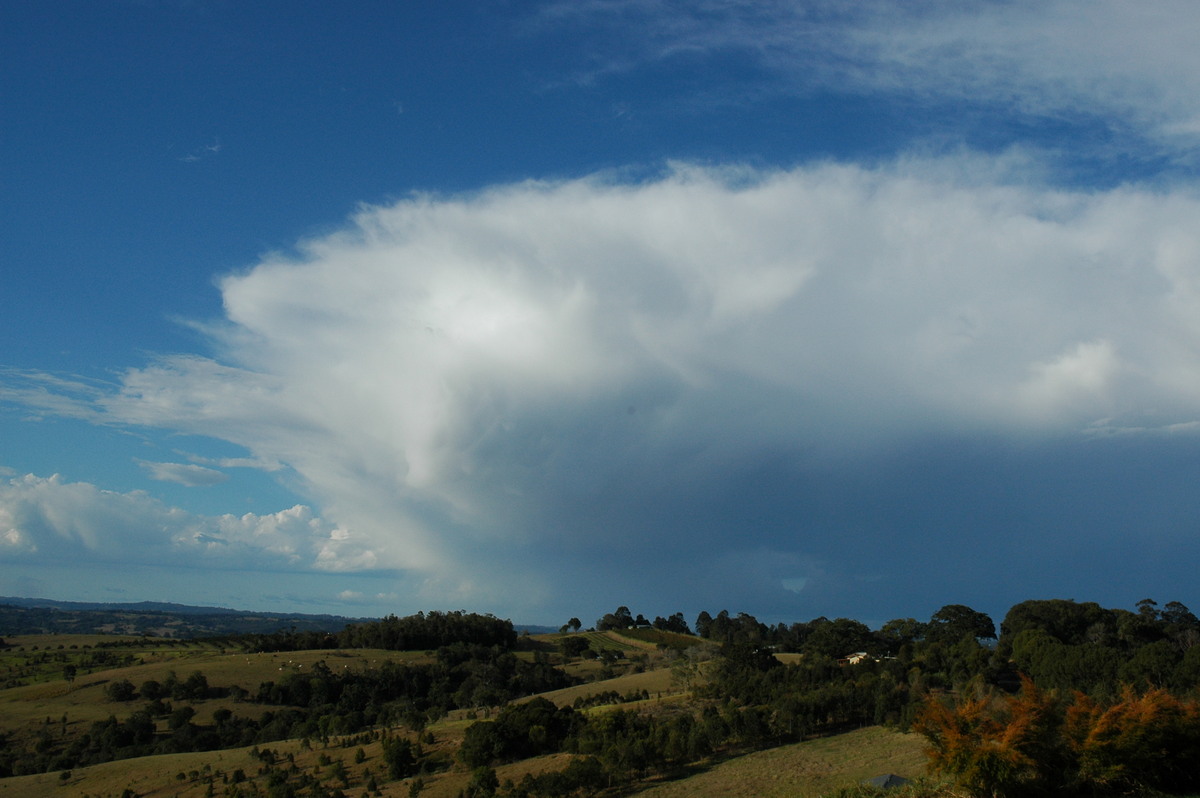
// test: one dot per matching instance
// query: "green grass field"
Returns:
(806, 769)
(811, 768)
(26, 709)
(656, 682)
(83, 701)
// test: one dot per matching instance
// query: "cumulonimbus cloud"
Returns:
(444, 369)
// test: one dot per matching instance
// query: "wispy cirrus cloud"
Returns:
(1132, 67)
(44, 394)
(235, 462)
(184, 473)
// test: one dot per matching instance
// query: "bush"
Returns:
(1037, 744)
(121, 690)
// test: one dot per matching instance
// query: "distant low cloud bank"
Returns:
(62, 522)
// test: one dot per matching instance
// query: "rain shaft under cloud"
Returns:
(770, 381)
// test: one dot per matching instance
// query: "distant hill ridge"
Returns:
(151, 606)
(23, 616)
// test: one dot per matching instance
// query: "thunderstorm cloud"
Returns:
(460, 380)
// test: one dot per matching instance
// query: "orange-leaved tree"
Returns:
(1035, 743)
(997, 746)
(1146, 741)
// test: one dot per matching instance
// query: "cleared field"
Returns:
(796, 771)
(652, 639)
(147, 776)
(53, 642)
(188, 775)
(601, 641)
(83, 701)
(806, 769)
(656, 683)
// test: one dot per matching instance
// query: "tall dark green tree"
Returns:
(955, 621)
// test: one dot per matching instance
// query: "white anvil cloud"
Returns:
(449, 375)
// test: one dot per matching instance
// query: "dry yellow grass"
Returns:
(805, 769)
(154, 776)
(656, 683)
(148, 776)
(83, 701)
(52, 642)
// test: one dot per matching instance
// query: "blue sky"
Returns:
(797, 309)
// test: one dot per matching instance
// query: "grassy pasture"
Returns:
(25, 709)
(811, 768)
(611, 641)
(187, 775)
(651, 639)
(654, 682)
(55, 641)
(159, 776)
(806, 769)
(625, 641)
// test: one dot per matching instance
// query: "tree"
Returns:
(621, 619)
(1178, 613)
(1066, 621)
(573, 646)
(152, 690)
(899, 631)
(1182, 627)
(675, 623)
(399, 757)
(688, 669)
(955, 621)
(996, 747)
(838, 637)
(120, 690)
(194, 688)
(483, 784)
(1141, 743)
(180, 718)
(1036, 744)
(1153, 664)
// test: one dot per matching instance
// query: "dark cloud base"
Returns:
(943, 520)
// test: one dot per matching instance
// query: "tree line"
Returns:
(1055, 704)
(317, 703)
(1130, 724)
(420, 632)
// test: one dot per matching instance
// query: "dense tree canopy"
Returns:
(956, 621)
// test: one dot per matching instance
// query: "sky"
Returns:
(541, 308)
